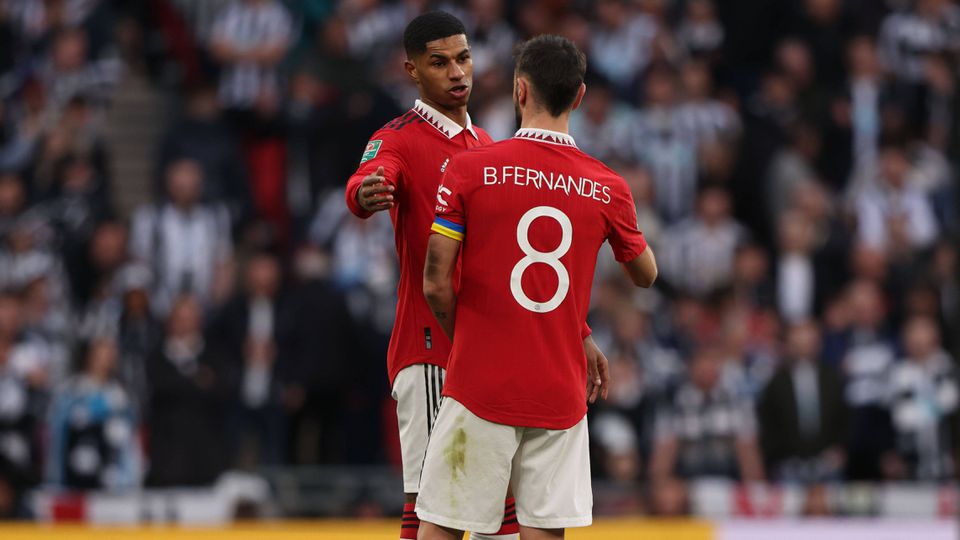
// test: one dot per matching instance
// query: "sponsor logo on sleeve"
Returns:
(371, 151)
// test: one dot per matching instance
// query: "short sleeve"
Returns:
(385, 150)
(450, 219)
(624, 236)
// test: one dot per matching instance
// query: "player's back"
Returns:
(534, 212)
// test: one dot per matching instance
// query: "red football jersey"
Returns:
(532, 213)
(413, 150)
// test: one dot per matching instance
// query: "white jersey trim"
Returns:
(545, 136)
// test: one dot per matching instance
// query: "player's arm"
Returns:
(442, 251)
(371, 193)
(629, 246)
(598, 370)
(642, 269)
(372, 188)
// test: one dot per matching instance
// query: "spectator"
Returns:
(704, 430)
(867, 362)
(603, 124)
(796, 272)
(866, 88)
(202, 137)
(662, 142)
(251, 330)
(491, 37)
(802, 413)
(697, 254)
(93, 432)
(893, 214)
(792, 166)
(249, 39)
(708, 119)
(924, 396)
(18, 420)
(69, 73)
(190, 385)
(700, 33)
(139, 333)
(185, 242)
(906, 37)
(621, 44)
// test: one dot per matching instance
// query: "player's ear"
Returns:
(411, 70)
(579, 98)
(522, 94)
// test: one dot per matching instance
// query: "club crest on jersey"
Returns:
(371, 150)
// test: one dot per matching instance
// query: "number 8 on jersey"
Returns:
(551, 258)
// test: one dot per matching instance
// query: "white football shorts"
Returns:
(471, 461)
(417, 390)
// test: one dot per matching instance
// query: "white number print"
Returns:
(551, 258)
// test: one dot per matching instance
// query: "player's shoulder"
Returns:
(401, 124)
(600, 169)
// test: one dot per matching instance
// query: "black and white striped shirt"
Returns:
(247, 25)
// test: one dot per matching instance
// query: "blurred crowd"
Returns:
(794, 165)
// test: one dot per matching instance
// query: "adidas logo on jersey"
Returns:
(443, 167)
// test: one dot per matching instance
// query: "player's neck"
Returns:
(560, 124)
(458, 114)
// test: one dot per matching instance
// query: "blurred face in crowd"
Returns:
(101, 359)
(751, 264)
(108, 248)
(796, 233)
(696, 80)
(203, 104)
(930, 8)
(823, 11)
(78, 176)
(186, 319)
(778, 91)
(444, 72)
(700, 11)
(794, 59)
(70, 50)
(705, 368)
(611, 13)
(714, 206)
(11, 194)
(803, 341)
(862, 57)
(894, 166)
(866, 305)
(921, 338)
(660, 88)
(486, 13)
(263, 276)
(597, 103)
(184, 183)
(9, 316)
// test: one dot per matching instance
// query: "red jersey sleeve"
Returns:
(383, 150)
(450, 219)
(625, 237)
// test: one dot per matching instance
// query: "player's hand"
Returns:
(375, 194)
(598, 371)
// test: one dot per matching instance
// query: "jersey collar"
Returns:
(442, 122)
(546, 136)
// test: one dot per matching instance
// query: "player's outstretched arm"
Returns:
(642, 269)
(438, 280)
(372, 193)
